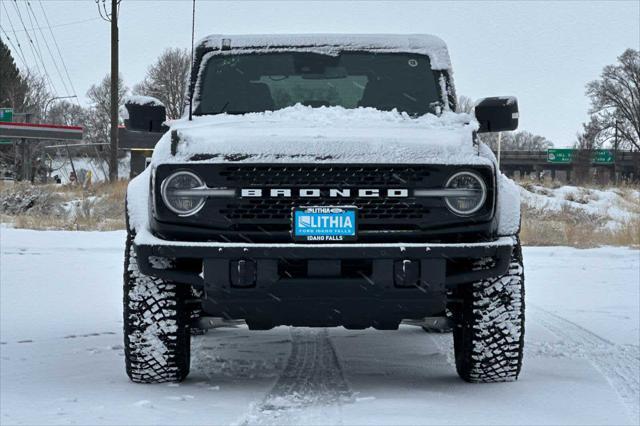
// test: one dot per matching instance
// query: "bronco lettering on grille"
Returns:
(317, 192)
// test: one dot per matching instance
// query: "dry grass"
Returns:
(576, 229)
(69, 207)
(572, 226)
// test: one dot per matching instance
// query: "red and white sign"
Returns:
(40, 131)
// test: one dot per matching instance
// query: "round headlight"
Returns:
(178, 195)
(468, 193)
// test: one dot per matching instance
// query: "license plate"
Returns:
(324, 224)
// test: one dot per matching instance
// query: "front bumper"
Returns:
(321, 292)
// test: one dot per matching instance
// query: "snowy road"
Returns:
(62, 361)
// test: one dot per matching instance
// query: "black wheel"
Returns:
(157, 335)
(489, 334)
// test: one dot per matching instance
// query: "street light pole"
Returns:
(46, 105)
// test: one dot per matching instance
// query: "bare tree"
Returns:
(587, 141)
(98, 116)
(167, 80)
(526, 141)
(28, 93)
(465, 104)
(615, 101)
(517, 141)
(66, 113)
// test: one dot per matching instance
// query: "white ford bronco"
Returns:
(324, 181)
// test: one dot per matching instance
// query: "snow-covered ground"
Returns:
(62, 361)
(612, 206)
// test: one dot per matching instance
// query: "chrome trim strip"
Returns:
(203, 191)
(447, 192)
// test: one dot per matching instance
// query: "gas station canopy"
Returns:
(11, 130)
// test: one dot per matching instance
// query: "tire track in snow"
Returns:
(619, 364)
(313, 378)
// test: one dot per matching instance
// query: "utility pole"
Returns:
(115, 77)
(112, 17)
(615, 152)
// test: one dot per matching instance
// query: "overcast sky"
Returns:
(541, 52)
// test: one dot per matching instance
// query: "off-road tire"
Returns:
(157, 336)
(489, 334)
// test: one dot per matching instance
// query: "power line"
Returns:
(20, 52)
(55, 42)
(66, 24)
(13, 47)
(42, 68)
(46, 43)
(104, 13)
(39, 50)
(33, 52)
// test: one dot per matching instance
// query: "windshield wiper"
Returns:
(224, 107)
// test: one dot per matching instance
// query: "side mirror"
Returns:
(497, 114)
(145, 114)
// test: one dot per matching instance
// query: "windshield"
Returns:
(239, 84)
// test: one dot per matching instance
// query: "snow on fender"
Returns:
(138, 201)
(508, 205)
(508, 202)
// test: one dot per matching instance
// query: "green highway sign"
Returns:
(559, 155)
(565, 156)
(6, 114)
(603, 156)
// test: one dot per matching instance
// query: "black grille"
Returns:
(369, 209)
(373, 213)
(325, 175)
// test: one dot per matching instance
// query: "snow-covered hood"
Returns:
(304, 134)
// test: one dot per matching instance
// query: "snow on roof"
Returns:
(332, 44)
(142, 100)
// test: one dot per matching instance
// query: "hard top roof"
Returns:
(333, 44)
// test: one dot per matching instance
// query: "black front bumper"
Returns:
(323, 285)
